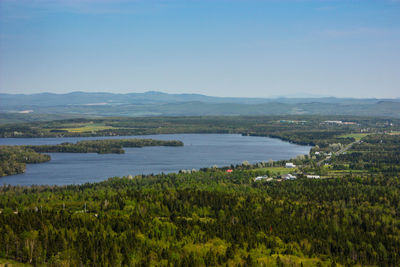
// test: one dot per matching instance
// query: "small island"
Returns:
(13, 159)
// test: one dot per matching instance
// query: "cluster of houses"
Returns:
(264, 177)
(321, 153)
(290, 165)
(340, 122)
(292, 121)
(287, 176)
(283, 177)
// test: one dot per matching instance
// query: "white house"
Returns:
(290, 165)
(313, 176)
(333, 122)
(259, 178)
(288, 176)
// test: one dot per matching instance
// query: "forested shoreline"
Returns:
(301, 129)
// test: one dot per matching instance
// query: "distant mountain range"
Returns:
(162, 104)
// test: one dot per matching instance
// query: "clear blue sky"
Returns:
(256, 48)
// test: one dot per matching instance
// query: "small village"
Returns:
(288, 176)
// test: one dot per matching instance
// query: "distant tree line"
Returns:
(301, 129)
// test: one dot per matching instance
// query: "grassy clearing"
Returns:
(356, 136)
(85, 127)
(347, 171)
(277, 170)
(329, 173)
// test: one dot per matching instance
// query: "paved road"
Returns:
(341, 151)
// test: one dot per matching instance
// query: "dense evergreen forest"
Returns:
(13, 159)
(350, 216)
(209, 217)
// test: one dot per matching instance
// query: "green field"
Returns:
(356, 136)
(276, 170)
(84, 127)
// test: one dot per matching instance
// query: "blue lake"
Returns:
(200, 150)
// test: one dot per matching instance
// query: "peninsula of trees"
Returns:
(105, 146)
(13, 159)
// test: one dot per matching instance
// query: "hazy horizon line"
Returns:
(293, 96)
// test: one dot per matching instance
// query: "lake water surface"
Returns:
(200, 150)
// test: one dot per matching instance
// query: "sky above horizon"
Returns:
(247, 48)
